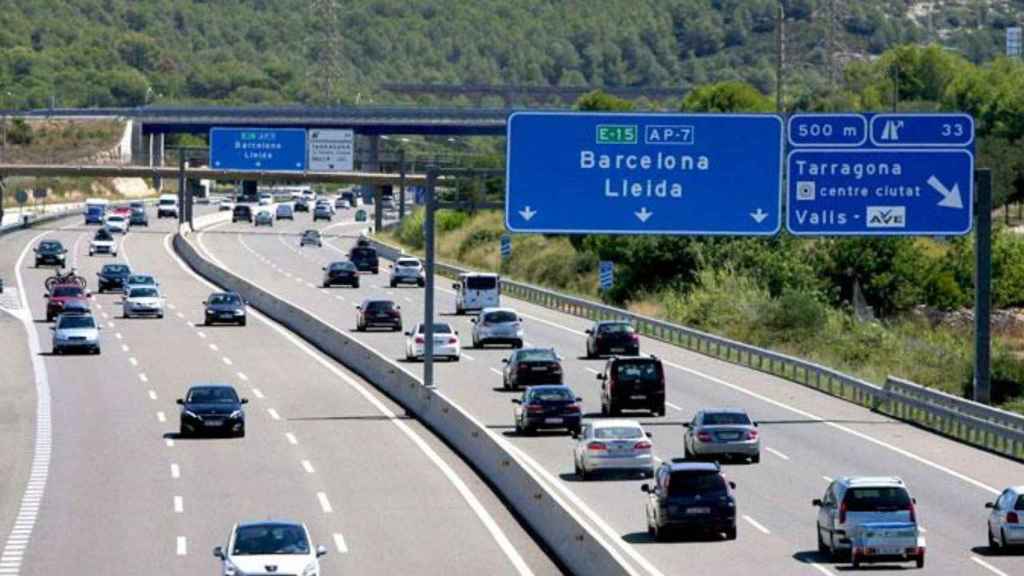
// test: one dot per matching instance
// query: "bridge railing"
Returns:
(975, 424)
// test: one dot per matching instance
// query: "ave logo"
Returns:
(887, 216)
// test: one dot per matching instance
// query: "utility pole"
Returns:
(780, 64)
(324, 44)
(831, 31)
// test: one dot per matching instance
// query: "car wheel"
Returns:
(756, 458)
(1002, 539)
(822, 549)
(518, 344)
(326, 285)
(356, 285)
(730, 534)
(96, 350)
(160, 315)
(57, 351)
(589, 354)
(686, 450)
(581, 472)
(241, 322)
(393, 284)
(241, 432)
(855, 561)
(920, 561)
(658, 532)
(604, 407)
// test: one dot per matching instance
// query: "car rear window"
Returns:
(49, 245)
(67, 291)
(115, 269)
(537, 356)
(140, 280)
(103, 234)
(168, 201)
(551, 394)
(438, 329)
(618, 433)
(77, 321)
(500, 317)
(688, 483)
(363, 253)
(340, 266)
(726, 418)
(637, 371)
(379, 306)
(412, 263)
(881, 499)
(618, 327)
(481, 282)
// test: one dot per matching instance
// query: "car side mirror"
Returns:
(408, 333)
(245, 401)
(816, 502)
(517, 401)
(504, 360)
(732, 485)
(456, 332)
(756, 424)
(645, 488)
(650, 434)
(914, 500)
(601, 377)
(218, 552)
(455, 286)
(321, 550)
(179, 401)
(589, 331)
(47, 296)
(990, 505)
(324, 268)
(686, 424)
(472, 320)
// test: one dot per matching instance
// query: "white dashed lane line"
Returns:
(143, 377)
(468, 357)
(273, 414)
(182, 547)
(242, 376)
(325, 504)
(175, 471)
(673, 406)
(291, 438)
(110, 324)
(308, 467)
(496, 371)
(756, 524)
(179, 315)
(133, 361)
(214, 347)
(201, 334)
(161, 416)
(227, 361)
(118, 335)
(827, 479)
(591, 370)
(257, 393)
(988, 566)
(777, 453)
(339, 543)
(152, 394)
(124, 348)
(171, 306)
(179, 505)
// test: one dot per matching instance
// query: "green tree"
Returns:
(726, 97)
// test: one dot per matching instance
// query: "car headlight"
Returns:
(310, 569)
(239, 312)
(235, 414)
(231, 570)
(191, 414)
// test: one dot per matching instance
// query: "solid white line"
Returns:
(161, 416)
(143, 377)
(257, 393)
(242, 376)
(308, 467)
(673, 406)
(988, 566)
(273, 414)
(756, 524)
(182, 546)
(777, 453)
(291, 438)
(339, 543)
(152, 394)
(175, 471)
(496, 371)
(325, 504)
(179, 505)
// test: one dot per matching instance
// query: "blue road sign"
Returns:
(258, 149)
(605, 274)
(922, 130)
(880, 192)
(506, 246)
(644, 173)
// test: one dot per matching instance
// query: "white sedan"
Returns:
(116, 223)
(1004, 523)
(446, 342)
(143, 301)
(270, 547)
(620, 445)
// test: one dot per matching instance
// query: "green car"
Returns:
(360, 215)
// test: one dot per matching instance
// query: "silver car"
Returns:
(76, 332)
(142, 301)
(612, 445)
(850, 502)
(722, 432)
(407, 271)
(497, 326)
(141, 281)
(1004, 526)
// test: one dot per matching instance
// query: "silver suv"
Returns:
(407, 270)
(497, 326)
(852, 501)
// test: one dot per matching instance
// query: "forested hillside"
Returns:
(133, 52)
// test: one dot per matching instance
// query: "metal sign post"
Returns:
(983, 289)
(428, 287)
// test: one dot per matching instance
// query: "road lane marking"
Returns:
(291, 438)
(496, 371)
(171, 306)
(182, 546)
(309, 285)
(175, 471)
(110, 324)
(339, 543)
(591, 370)
(777, 453)
(152, 394)
(124, 348)
(827, 479)
(133, 361)
(467, 356)
(242, 376)
(407, 299)
(227, 361)
(161, 416)
(169, 442)
(201, 334)
(756, 524)
(143, 377)
(190, 324)
(180, 315)
(105, 316)
(325, 504)
(214, 347)
(117, 335)
(257, 393)
(179, 505)
(988, 566)
(308, 467)
(273, 414)
(673, 406)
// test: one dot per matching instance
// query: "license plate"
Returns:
(213, 422)
(729, 436)
(620, 350)
(637, 397)
(699, 510)
(889, 551)
(552, 420)
(539, 368)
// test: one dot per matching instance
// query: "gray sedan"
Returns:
(722, 432)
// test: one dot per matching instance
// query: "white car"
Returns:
(620, 445)
(497, 326)
(270, 548)
(226, 205)
(140, 281)
(116, 223)
(266, 199)
(1004, 523)
(446, 342)
(103, 243)
(407, 271)
(142, 301)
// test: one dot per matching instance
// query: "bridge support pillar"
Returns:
(156, 157)
(139, 144)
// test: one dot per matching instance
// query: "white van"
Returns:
(167, 206)
(476, 291)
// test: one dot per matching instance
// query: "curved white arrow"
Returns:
(950, 198)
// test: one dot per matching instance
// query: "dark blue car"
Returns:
(550, 406)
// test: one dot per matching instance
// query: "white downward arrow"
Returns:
(643, 214)
(950, 198)
(526, 213)
(759, 216)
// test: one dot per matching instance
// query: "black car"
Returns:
(548, 406)
(343, 273)
(612, 337)
(138, 217)
(632, 382)
(224, 308)
(302, 205)
(380, 314)
(241, 212)
(212, 408)
(531, 366)
(364, 258)
(51, 253)
(112, 277)
(691, 496)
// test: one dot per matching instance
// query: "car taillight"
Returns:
(419, 339)
(534, 409)
(842, 512)
(1012, 518)
(394, 313)
(572, 408)
(521, 366)
(452, 340)
(751, 434)
(703, 436)
(913, 513)
(634, 337)
(597, 446)
(642, 445)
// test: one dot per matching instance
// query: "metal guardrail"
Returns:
(975, 424)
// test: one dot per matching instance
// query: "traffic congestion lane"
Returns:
(784, 420)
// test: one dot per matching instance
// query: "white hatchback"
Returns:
(446, 342)
(270, 548)
(1004, 523)
(116, 223)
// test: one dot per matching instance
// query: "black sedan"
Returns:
(112, 277)
(380, 314)
(212, 408)
(531, 366)
(343, 273)
(612, 337)
(548, 406)
(50, 253)
(224, 308)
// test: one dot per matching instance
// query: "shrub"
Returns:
(796, 315)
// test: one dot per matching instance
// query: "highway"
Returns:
(114, 490)
(809, 437)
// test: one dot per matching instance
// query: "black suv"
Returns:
(212, 408)
(112, 277)
(531, 366)
(50, 253)
(241, 212)
(365, 259)
(692, 496)
(632, 383)
(612, 337)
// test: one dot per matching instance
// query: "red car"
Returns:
(125, 211)
(71, 295)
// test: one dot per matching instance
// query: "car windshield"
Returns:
(341, 266)
(168, 201)
(689, 483)
(438, 329)
(115, 219)
(224, 299)
(212, 395)
(143, 293)
(409, 263)
(726, 418)
(115, 269)
(616, 328)
(379, 306)
(67, 291)
(500, 317)
(537, 356)
(880, 499)
(102, 234)
(284, 208)
(76, 321)
(141, 280)
(311, 234)
(49, 246)
(551, 395)
(618, 432)
(637, 371)
(481, 282)
(270, 539)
